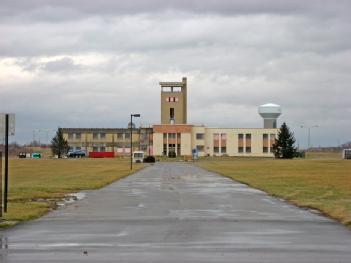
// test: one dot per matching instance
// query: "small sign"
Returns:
(12, 123)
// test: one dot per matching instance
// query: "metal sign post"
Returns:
(6, 160)
(0, 184)
(7, 129)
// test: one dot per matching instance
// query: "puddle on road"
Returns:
(71, 198)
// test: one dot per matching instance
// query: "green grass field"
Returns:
(36, 185)
(322, 184)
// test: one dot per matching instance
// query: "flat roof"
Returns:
(171, 84)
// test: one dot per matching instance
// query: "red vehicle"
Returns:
(101, 154)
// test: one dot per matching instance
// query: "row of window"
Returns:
(222, 136)
(242, 147)
(99, 135)
(172, 99)
(223, 149)
(172, 135)
(103, 148)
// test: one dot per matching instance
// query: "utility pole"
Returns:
(131, 138)
(309, 134)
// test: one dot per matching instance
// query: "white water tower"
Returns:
(270, 113)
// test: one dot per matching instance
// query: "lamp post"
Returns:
(309, 134)
(149, 140)
(131, 138)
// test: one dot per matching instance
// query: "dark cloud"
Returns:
(228, 7)
(83, 63)
(59, 65)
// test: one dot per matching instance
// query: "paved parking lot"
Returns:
(176, 212)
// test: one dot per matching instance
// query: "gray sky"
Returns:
(91, 63)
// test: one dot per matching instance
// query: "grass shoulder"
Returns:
(35, 186)
(322, 184)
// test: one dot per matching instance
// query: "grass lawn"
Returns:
(323, 184)
(36, 185)
(323, 155)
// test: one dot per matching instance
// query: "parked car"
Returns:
(149, 159)
(76, 154)
(22, 155)
(36, 155)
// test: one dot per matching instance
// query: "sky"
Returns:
(93, 63)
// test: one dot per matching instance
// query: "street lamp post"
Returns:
(309, 134)
(131, 138)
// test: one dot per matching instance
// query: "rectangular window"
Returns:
(165, 136)
(240, 143)
(143, 136)
(102, 135)
(200, 148)
(95, 149)
(171, 135)
(95, 135)
(265, 143)
(200, 136)
(127, 135)
(102, 149)
(166, 89)
(223, 149)
(171, 113)
(177, 89)
(216, 149)
(70, 136)
(78, 135)
(248, 143)
(224, 142)
(120, 136)
(248, 140)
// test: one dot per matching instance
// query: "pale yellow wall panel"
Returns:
(185, 144)
(158, 144)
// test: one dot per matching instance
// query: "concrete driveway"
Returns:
(175, 212)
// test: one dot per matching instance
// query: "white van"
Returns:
(138, 157)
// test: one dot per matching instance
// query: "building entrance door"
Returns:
(171, 148)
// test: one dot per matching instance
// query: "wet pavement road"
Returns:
(176, 212)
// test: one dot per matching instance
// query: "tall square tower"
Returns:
(174, 102)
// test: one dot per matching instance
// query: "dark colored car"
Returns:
(76, 154)
(22, 155)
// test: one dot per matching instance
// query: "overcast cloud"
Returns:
(91, 63)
